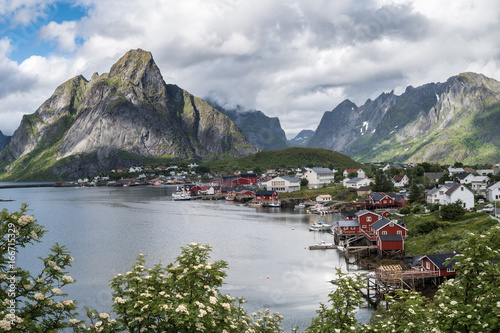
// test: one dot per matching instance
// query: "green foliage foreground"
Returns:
(184, 296)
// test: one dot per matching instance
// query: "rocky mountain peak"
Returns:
(137, 67)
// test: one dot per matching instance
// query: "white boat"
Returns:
(274, 204)
(322, 246)
(320, 226)
(300, 206)
(181, 194)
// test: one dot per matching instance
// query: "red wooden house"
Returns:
(245, 194)
(390, 243)
(366, 218)
(438, 263)
(384, 227)
(347, 227)
(380, 199)
(266, 196)
(250, 178)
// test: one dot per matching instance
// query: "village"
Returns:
(371, 225)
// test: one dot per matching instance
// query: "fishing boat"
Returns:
(181, 194)
(320, 226)
(274, 204)
(229, 198)
(300, 206)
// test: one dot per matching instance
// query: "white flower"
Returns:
(28, 286)
(453, 302)
(57, 268)
(104, 315)
(57, 291)
(39, 296)
(119, 300)
(59, 306)
(5, 325)
(74, 321)
(213, 300)
(202, 313)
(67, 302)
(67, 279)
(226, 306)
(24, 220)
(182, 308)
(33, 235)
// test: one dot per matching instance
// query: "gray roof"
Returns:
(381, 223)
(322, 171)
(440, 259)
(290, 179)
(390, 238)
(355, 180)
(348, 223)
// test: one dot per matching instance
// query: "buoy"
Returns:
(268, 276)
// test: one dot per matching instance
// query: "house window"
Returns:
(353, 228)
(450, 270)
(384, 232)
(364, 225)
(462, 188)
(428, 265)
(391, 224)
(400, 232)
(368, 219)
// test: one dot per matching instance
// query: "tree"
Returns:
(303, 182)
(471, 301)
(383, 182)
(345, 300)
(416, 194)
(32, 302)
(452, 211)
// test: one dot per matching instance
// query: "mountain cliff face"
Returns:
(263, 132)
(302, 139)
(436, 122)
(117, 119)
(4, 140)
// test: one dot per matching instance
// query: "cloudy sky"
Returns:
(293, 59)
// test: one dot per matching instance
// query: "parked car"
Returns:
(480, 202)
(488, 208)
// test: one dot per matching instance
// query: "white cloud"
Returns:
(292, 59)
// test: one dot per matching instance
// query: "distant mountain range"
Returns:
(437, 122)
(125, 117)
(131, 116)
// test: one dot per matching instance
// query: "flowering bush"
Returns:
(32, 302)
(183, 297)
(345, 300)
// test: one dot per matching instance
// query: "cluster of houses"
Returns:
(388, 236)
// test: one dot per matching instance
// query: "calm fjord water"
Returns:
(106, 228)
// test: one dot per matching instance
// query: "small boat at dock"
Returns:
(322, 246)
(320, 226)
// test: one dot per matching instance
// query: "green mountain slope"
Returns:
(286, 158)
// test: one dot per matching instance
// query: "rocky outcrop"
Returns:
(117, 119)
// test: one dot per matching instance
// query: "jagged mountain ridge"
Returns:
(436, 122)
(302, 139)
(115, 120)
(263, 132)
(4, 140)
